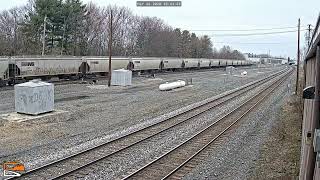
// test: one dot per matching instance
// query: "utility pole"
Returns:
(64, 32)
(298, 58)
(15, 35)
(44, 34)
(309, 34)
(110, 48)
(304, 63)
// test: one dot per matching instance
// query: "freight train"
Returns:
(27, 68)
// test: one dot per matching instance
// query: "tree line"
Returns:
(70, 27)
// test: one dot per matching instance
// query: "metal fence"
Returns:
(310, 153)
(315, 35)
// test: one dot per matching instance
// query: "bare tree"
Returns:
(11, 34)
(78, 29)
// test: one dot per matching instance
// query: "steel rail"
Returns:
(127, 135)
(157, 160)
(219, 135)
(148, 137)
(215, 70)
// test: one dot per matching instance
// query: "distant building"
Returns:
(275, 60)
(265, 59)
(251, 58)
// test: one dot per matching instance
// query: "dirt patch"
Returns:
(70, 98)
(280, 154)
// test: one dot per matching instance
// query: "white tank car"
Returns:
(204, 63)
(4, 64)
(44, 66)
(214, 63)
(55, 66)
(38, 66)
(230, 62)
(191, 63)
(223, 62)
(148, 63)
(101, 64)
(171, 63)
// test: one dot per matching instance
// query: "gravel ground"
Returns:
(236, 156)
(141, 154)
(94, 113)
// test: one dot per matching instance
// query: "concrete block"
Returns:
(34, 97)
(230, 69)
(121, 77)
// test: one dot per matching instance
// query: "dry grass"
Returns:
(281, 153)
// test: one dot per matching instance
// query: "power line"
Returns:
(265, 29)
(254, 34)
(252, 43)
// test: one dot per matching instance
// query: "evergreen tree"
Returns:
(63, 22)
(73, 28)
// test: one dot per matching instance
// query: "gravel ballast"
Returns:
(97, 115)
(236, 156)
(141, 154)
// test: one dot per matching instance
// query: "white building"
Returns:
(265, 59)
(252, 57)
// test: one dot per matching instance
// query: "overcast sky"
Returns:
(230, 14)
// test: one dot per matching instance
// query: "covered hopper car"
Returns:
(26, 68)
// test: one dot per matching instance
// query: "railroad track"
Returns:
(175, 163)
(69, 166)
(58, 82)
(217, 70)
(100, 78)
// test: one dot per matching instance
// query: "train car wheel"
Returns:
(11, 82)
(2, 83)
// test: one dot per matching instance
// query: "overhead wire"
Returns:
(252, 32)
(251, 43)
(258, 29)
(255, 34)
